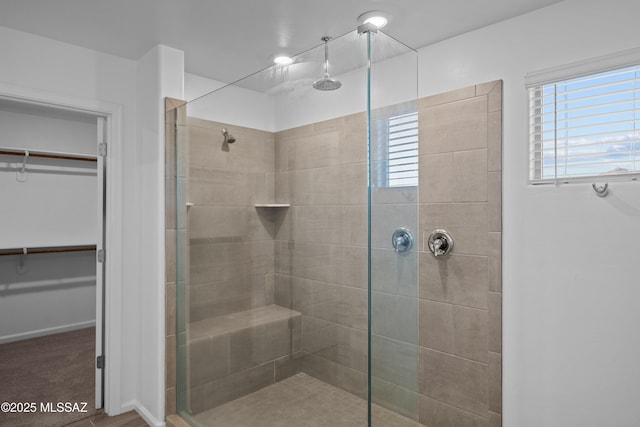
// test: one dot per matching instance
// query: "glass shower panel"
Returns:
(273, 296)
(276, 307)
(394, 232)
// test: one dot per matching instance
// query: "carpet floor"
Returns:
(51, 369)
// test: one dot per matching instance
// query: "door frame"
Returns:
(113, 223)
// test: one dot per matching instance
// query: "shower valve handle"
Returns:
(402, 240)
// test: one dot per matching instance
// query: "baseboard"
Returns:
(146, 415)
(47, 331)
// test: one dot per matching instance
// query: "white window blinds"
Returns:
(402, 155)
(585, 127)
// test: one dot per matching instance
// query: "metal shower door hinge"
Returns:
(100, 362)
(101, 255)
(102, 149)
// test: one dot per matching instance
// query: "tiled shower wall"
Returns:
(460, 347)
(321, 245)
(320, 252)
(231, 242)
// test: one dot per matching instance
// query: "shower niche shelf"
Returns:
(272, 205)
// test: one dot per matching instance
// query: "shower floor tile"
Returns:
(299, 401)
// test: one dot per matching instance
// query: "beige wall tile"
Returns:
(304, 260)
(446, 97)
(340, 304)
(261, 223)
(170, 150)
(436, 178)
(320, 338)
(397, 399)
(457, 279)
(358, 217)
(288, 366)
(394, 316)
(495, 322)
(216, 187)
(494, 100)
(495, 262)
(170, 256)
(467, 223)
(395, 273)
(266, 342)
(170, 401)
(208, 359)
(395, 361)
(454, 329)
(436, 326)
(470, 333)
(386, 218)
(240, 384)
(321, 224)
(352, 348)
(294, 293)
(205, 148)
(328, 185)
(335, 374)
(170, 365)
(485, 88)
(170, 203)
(495, 382)
(495, 420)
(353, 139)
(218, 222)
(494, 141)
(456, 381)
(350, 266)
(295, 187)
(454, 126)
(170, 309)
(469, 176)
(438, 414)
(495, 201)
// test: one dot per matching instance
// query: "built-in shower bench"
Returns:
(239, 353)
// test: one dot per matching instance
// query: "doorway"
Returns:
(52, 170)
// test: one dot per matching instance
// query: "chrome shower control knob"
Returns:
(440, 243)
(402, 240)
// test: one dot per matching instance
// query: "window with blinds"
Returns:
(402, 151)
(585, 127)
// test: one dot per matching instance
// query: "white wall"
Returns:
(230, 104)
(35, 64)
(570, 258)
(159, 74)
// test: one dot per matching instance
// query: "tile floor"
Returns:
(300, 401)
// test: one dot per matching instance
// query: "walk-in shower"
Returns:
(299, 297)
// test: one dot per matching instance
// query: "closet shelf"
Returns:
(47, 249)
(47, 154)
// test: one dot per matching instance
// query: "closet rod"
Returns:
(48, 155)
(46, 250)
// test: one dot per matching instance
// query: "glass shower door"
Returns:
(394, 238)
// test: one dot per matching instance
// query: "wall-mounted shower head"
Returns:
(228, 138)
(326, 83)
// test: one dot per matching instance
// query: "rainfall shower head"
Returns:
(326, 83)
(228, 138)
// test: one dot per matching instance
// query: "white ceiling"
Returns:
(229, 39)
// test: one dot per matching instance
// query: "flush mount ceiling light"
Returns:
(377, 18)
(282, 60)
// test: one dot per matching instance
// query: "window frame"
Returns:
(535, 82)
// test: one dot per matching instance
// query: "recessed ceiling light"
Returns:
(374, 17)
(283, 60)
